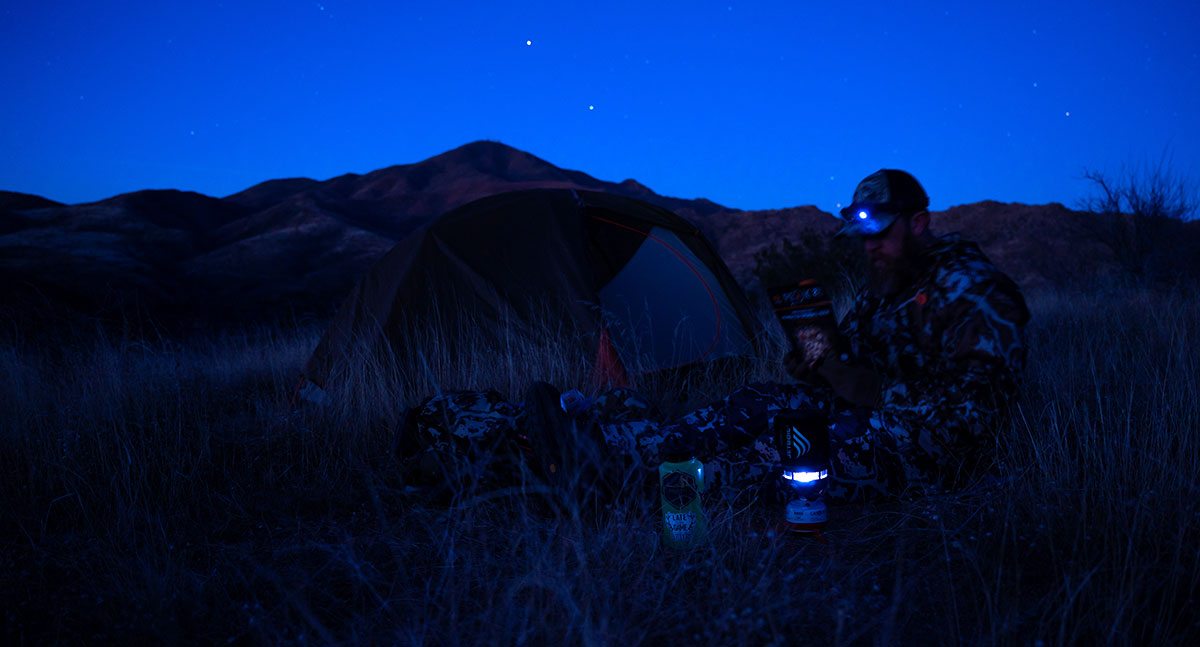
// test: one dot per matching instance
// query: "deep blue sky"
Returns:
(750, 104)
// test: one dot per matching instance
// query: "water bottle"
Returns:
(681, 482)
(802, 438)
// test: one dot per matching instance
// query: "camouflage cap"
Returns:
(879, 199)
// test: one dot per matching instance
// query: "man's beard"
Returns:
(893, 275)
(887, 281)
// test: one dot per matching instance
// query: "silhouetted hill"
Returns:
(10, 200)
(299, 245)
(1051, 245)
(294, 244)
(270, 192)
(1037, 245)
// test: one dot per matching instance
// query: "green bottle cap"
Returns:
(677, 455)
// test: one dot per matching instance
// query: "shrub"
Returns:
(1139, 213)
(835, 262)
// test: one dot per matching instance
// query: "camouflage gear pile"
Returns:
(459, 434)
(947, 349)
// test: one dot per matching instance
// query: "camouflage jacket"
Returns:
(948, 349)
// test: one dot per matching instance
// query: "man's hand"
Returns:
(856, 384)
(799, 366)
(810, 345)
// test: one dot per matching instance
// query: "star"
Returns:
(591, 107)
(528, 42)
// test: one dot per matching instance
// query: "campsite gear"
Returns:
(879, 199)
(681, 482)
(541, 432)
(802, 438)
(806, 314)
(638, 288)
(563, 450)
(575, 403)
(934, 427)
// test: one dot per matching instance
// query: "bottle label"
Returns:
(679, 489)
(680, 525)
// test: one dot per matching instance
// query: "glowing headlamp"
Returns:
(868, 220)
(872, 223)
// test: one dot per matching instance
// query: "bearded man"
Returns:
(921, 368)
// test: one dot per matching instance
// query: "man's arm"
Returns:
(859, 385)
(854, 380)
(983, 355)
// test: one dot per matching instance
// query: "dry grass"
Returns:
(164, 491)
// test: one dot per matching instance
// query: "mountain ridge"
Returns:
(300, 244)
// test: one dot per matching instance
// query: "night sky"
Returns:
(750, 104)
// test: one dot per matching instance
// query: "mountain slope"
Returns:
(299, 244)
(12, 201)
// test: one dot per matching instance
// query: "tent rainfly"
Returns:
(644, 287)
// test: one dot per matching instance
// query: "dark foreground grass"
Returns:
(164, 492)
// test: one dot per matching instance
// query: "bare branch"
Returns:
(1153, 190)
(1135, 211)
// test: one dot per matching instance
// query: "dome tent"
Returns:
(644, 287)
